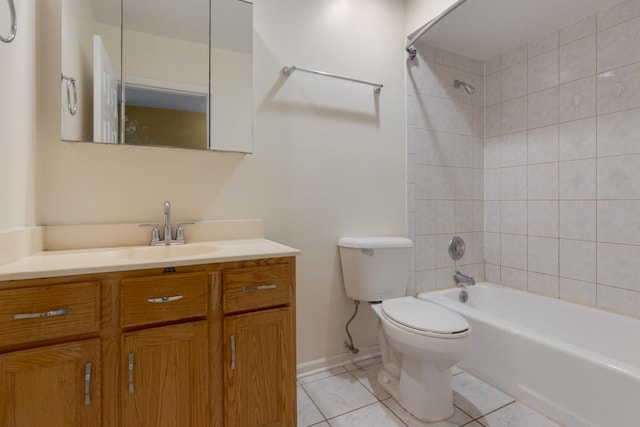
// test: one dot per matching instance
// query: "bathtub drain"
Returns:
(463, 296)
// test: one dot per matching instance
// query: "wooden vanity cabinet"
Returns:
(259, 341)
(50, 384)
(196, 346)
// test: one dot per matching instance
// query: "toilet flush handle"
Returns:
(369, 252)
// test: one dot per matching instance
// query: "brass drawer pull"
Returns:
(165, 299)
(45, 314)
(258, 288)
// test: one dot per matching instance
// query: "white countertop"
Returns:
(87, 261)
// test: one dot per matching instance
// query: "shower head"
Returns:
(467, 87)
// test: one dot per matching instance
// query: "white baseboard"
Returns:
(314, 366)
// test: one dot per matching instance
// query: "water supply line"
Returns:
(349, 345)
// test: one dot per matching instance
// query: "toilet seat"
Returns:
(424, 318)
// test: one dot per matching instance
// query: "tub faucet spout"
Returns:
(462, 280)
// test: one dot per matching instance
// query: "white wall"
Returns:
(329, 155)
(562, 162)
(17, 119)
(419, 12)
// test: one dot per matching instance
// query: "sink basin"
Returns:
(163, 252)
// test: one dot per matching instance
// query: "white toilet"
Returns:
(419, 340)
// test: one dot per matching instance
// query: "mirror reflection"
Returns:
(159, 76)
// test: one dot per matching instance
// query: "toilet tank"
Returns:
(375, 268)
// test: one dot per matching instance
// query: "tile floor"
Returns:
(350, 396)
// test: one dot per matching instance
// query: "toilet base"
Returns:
(421, 388)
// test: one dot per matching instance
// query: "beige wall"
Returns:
(419, 12)
(17, 121)
(329, 155)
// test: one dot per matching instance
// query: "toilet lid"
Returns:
(424, 316)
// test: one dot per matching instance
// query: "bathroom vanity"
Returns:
(127, 340)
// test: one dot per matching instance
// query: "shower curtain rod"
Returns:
(426, 27)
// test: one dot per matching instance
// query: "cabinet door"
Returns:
(51, 386)
(165, 376)
(260, 369)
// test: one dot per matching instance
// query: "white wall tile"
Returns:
(618, 13)
(443, 259)
(620, 300)
(618, 177)
(492, 187)
(492, 218)
(411, 197)
(577, 139)
(619, 89)
(543, 108)
(542, 218)
(410, 140)
(619, 133)
(444, 277)
(475, 80)
(493, 95)
(433, 79)
(513, 82)
(618, 265)
(543, 284)
(577, 30)
(464, 183)
(468, 64)
(513, 149)
(478, 152)
(542, 71)
(543, 181)
(578, 59)
(578, 260)
(578, 179)
(513, 217)
(514, 183)
(578, 220)
(513, 251)
(618, 221)
(618, 45)
(443, 56)
(514, 56)
(410, 169)
(411, 110)
(514, 277)
(478, 184)
(514, 115)
(463, 118)
(425, 252)
(492, 248)
(492, 152)
(492, 273)
(577, 291)
(478, 247)
(478, 214)
(578, 99)
(425, 222)
(542, 255)
(464, 216)
(493, 120)
(542, 145)
(543, 44)
(445, 216)
(425, 281)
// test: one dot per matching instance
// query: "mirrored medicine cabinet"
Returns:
(158, 73)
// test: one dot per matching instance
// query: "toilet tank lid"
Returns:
(374, 242)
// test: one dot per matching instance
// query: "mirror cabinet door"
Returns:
(158, 72)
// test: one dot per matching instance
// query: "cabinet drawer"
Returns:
(148, 300)
(49, 312)
(257, 287)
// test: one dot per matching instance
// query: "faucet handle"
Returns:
(155, 232)
(180, 231)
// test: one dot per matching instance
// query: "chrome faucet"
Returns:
(168, 230)
(462, 280)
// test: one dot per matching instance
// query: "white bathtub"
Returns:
(575, 364)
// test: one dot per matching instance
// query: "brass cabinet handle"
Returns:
(130, 373)
(165, 299)
(44, 314)
(87, 384)
(259, 288)
(233, 352)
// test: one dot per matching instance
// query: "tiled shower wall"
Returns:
(562, 163)
(445, 166)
